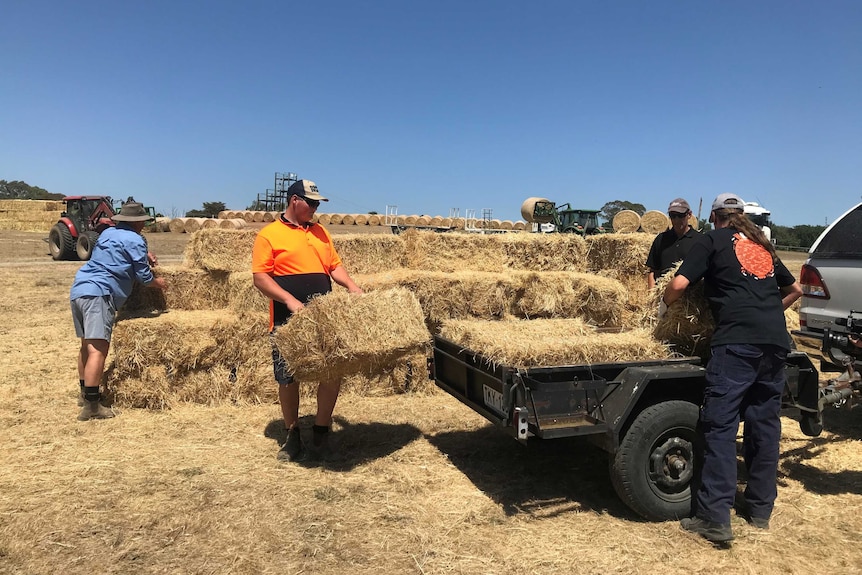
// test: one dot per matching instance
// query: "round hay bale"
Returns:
(529, 206)
(626, 221)
(223, 215)
(506, 225)
(232, 224)
(177, 225)
(163, 224)
(458, 223)
(423, 221)
(519, 226)
(257, 216)
(336, 219)
(193, 224)
(270, 216)
(360, 220)
(410, 220)
(209, 223)
(348, 220)
(495, 225)
(375, 220)
(323, 219)
(446, 222)
(436, 221)
(655, 222)
(248, 216)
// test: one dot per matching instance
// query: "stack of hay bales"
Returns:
(29, 215)
(545, 295)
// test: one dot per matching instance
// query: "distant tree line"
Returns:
(16, 190)
(210, 210)
(795, 237)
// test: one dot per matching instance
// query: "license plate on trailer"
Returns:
(493, 399)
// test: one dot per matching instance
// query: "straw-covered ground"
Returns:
(423, 485)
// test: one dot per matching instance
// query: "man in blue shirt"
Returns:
(101, 287)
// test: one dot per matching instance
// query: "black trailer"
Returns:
(643, 414)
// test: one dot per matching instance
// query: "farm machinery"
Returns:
(547, 216)
(80, 224)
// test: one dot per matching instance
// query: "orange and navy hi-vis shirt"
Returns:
(299, 259)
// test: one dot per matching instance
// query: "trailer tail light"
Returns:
(812, 283)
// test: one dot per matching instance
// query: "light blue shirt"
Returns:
(119, 258)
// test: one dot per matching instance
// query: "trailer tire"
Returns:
(654, 464)
(810, 425)
(61, 244)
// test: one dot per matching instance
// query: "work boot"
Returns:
(292, 450)
(320, 448)
(94, 410)
(712, 532)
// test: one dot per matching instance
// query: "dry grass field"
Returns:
(424, 486)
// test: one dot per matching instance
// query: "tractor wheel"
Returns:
(85, 244)
(653, 467)
(61, 243)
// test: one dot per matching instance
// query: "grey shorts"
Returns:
(279, 365)
(93, 317)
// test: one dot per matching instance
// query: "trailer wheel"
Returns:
(810, 425)
(653, 467)
(61, 244)
(85, 244)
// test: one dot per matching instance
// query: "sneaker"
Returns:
(713, 532)
(95, 410)
(292, 450)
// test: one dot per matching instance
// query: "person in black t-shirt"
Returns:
(673, 244)
(748, 289)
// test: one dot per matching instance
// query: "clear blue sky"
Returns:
(433, 105)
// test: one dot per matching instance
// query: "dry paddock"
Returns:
(424, 485)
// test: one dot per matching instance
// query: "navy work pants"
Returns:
(742, 381)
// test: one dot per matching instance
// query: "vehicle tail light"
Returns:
(812, 283)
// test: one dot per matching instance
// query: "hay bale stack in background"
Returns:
(163, 224)
(177, 225)
(193, 224)
(423, 221)
(546, 342)
(519, 226)
(224, 215)
(188, 289)
(370, 253)
(339, 334)
(232, 224)
(220, 250)
(626, 221)
(29, 215)
(348, 220)
(257, 216)
(654, 222)
(360, 219)
(622, 257)
(431, 251)
(323, 219)
(336, 219)
(375, 220)
(209, 223)
(544, 252)
(270, 216)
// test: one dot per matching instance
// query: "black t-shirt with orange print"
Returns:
(742, 286)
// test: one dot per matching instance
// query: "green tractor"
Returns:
(567, 219)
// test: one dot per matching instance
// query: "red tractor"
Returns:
(80, 225)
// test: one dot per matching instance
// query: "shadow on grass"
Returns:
(353, 444)
(543, 479)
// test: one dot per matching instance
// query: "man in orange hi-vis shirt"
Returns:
(293, 260)
(748, 289)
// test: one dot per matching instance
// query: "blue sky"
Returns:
(468, 104)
